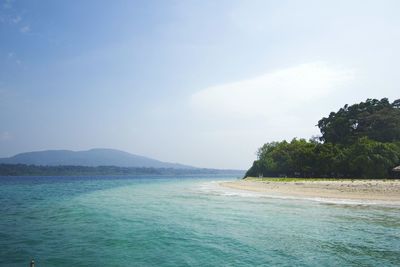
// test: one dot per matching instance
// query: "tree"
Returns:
(377, 119)
(372, 159)
(358, 141)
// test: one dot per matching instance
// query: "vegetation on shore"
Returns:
(291, 179)
(358, 141)
(35, 170)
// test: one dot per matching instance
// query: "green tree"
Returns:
(371, 159)
(358, 141)
(377, 119)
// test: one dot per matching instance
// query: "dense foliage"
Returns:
(378, 120)
(358, 141)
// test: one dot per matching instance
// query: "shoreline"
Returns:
(382, 191)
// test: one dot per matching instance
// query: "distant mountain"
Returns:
(91, 158)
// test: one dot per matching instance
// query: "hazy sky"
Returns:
(203, 83)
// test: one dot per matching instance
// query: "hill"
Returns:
(91, 158)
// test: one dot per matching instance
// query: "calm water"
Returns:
(152, 221)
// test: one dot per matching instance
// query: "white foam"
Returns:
(353, 201)
(214, 188)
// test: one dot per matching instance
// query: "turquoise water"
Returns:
(153, 221)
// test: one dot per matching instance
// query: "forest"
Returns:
(358, 141)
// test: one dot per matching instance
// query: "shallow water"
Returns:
(186, 221)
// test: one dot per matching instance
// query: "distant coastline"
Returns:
(37, 170)
(383, 191)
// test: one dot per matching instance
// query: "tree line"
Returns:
(35, 170)
(358, 141)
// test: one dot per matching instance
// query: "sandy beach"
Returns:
(387, 191)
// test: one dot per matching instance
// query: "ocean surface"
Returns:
(184, 221)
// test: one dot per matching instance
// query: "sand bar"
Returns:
(387, 191)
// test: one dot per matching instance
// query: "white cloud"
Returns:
(16, 19)
(5, 136)
(268, 94)
(8, 4)
(25, 29)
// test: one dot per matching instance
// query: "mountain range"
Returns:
(92, 158)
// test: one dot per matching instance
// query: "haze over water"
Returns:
(191, 221)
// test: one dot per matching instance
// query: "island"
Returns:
(357, 156)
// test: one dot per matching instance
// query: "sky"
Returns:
(203, 83)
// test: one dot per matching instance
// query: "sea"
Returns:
(185, 221)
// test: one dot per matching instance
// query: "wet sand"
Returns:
(387, 191)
